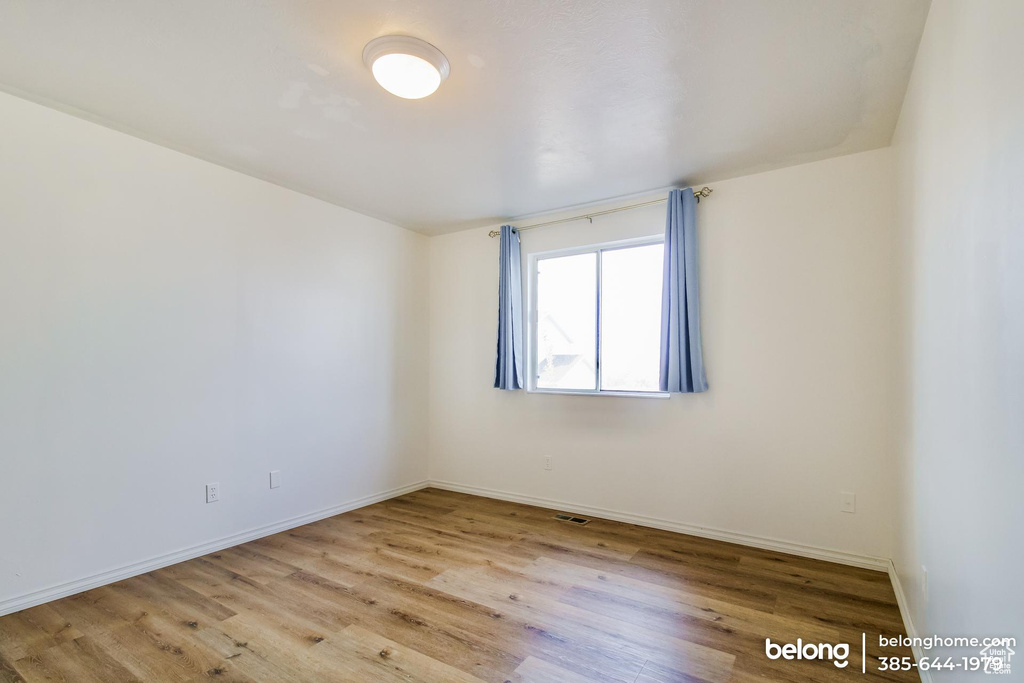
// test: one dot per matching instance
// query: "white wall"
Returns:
(165, 323)
(960, 152)
(797, 281)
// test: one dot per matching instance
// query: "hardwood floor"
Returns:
(440, 586)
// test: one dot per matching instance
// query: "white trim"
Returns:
(607, 392)
(813, 552)
(594, 247)
(72, 587)
(63, 590)
(788, 547)
(908, 622)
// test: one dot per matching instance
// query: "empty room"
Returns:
(550, 341)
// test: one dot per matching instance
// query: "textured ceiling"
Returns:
(550, 103)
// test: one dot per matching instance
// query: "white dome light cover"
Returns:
(407, 72)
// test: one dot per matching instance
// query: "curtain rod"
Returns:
(702, 192)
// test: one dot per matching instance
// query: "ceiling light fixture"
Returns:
(405, 66)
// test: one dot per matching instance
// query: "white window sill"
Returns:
(620, 394)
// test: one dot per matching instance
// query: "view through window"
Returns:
(598, 320)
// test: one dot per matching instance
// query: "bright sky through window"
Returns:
(601, 304)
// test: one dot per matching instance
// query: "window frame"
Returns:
(532, 316)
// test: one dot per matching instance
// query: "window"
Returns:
(596, 318)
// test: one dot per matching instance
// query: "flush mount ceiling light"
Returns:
(406, 66)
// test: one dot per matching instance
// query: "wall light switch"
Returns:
(849, 502)
(547, 462)
(275, 479)
(212, 492)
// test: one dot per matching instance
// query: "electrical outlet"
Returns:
(275, 479)
(924, 582)
(212, 492)
(849, 502)
(547, 462)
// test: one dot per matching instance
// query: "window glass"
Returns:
(631, 318)
(566, 325)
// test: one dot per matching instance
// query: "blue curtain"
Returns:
(508, 371)
(682, 360)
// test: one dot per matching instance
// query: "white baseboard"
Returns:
(854, 560)
(788, 547)
(38, 597)
(70, 588)
(908, 622)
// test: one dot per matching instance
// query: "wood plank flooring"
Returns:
(441, 586)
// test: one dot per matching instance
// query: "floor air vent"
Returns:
(570, 518)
